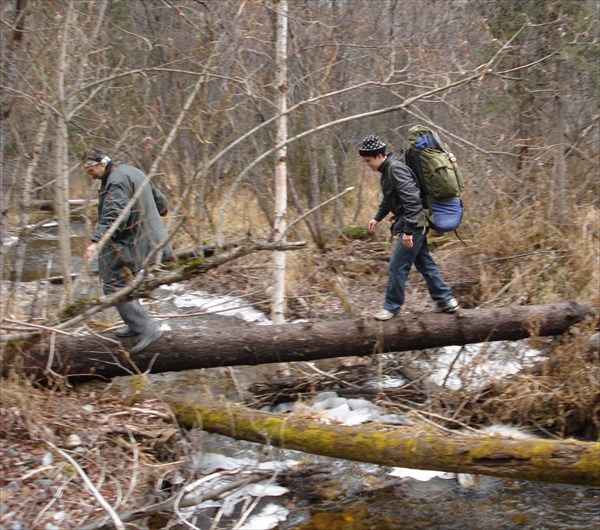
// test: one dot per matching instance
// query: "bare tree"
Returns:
(280, 225)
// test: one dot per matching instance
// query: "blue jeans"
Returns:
(402, 260)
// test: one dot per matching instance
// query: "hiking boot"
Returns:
(384, 314)
(125, 332)
(148, 337)
(447, 306)
(140, 323)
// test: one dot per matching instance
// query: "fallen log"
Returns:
(564, 461)
(254, 345)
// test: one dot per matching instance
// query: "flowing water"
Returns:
(41, 257)
(338, 494)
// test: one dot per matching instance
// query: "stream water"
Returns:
(41, 256)
(339, 494)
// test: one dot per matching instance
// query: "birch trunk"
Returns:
(280, 226)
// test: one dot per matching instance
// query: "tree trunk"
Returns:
(61, 188)
(254, 345)
(280, 225)
(566, 461)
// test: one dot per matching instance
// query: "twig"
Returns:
(330, 376)
(182, 500)
(451, 367)
(37, 326)
(98, 496)
(306, 214)
(134, 472)
(49, 504)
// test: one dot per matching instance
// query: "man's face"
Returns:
(374, 162)
(96, 171)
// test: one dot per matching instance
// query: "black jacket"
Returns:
(401, 196)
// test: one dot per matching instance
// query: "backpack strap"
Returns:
(413, 161)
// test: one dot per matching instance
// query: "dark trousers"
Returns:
(402, 261)
(116, 267)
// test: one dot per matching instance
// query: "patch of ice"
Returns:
(277, 465)
(9, 241)
(329, 403)
(358, 404)
(349, 411)
(420, 474)
(477, 364)
(210, 462)
(265, 489)
(506, 431)
(322, 396)
(172, 287)
(259, 489)
(220, 305)
(347, 416)
(269, 517)
(388, 383)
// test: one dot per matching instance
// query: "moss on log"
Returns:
(564, 461)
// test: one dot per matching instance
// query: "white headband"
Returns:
(92, 162)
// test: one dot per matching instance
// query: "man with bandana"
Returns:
(136, 237)
(402, 198)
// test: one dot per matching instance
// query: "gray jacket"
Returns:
(142, 230)
(401, 196)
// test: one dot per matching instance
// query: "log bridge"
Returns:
(103, 356)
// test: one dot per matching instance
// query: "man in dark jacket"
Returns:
(136, 237)
(402, 198)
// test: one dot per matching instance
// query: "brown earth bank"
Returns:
(62, 435)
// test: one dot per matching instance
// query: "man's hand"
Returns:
(371, 226)
(90, 252)
(407, 240)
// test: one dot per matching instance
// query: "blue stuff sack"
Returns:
(426, 141)
(447, 215)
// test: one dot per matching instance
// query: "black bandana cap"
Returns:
(371, 146)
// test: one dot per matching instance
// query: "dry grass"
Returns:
(116, 448)
(561, 397)
(522, 259)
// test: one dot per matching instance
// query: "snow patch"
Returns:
(471, 366)
(420, 474)
(220, 305)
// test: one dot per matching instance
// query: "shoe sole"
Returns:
(384, 318)
(447, 310)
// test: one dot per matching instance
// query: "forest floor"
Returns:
(65, 452)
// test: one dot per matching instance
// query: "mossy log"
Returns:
(565, 461)
(254, 345)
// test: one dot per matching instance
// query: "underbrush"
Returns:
(557, 398)
(65, 454)
(524, 259)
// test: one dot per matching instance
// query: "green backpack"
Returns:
(439, 177)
